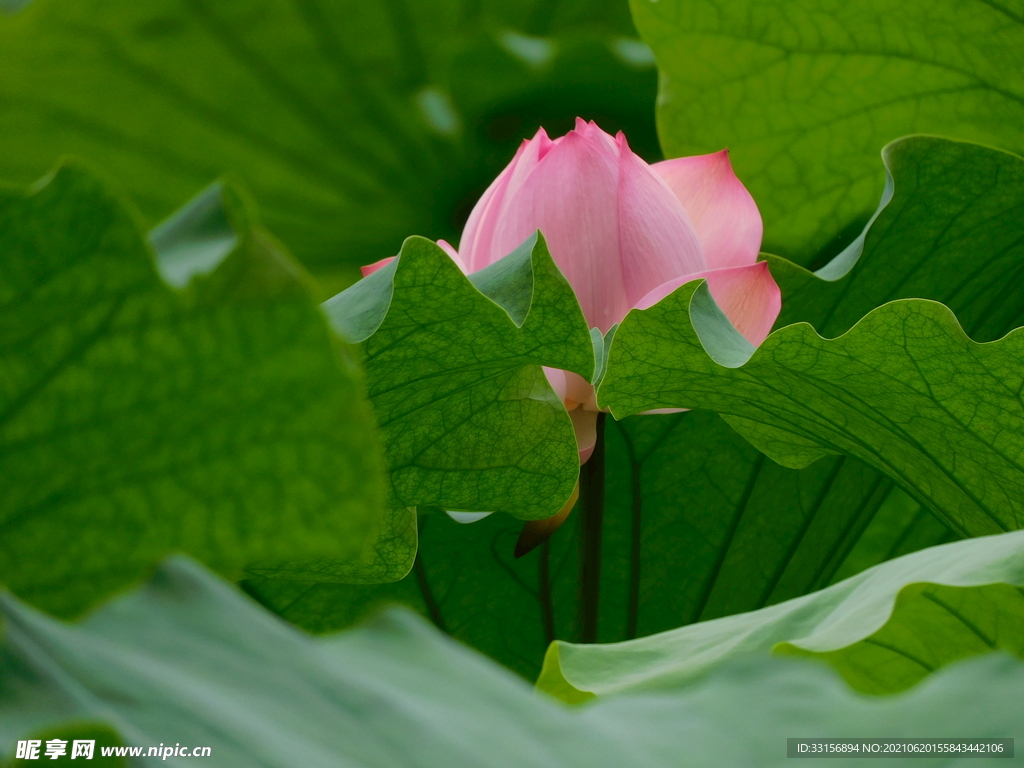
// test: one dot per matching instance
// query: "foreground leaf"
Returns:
(883, 629)
(189, 660)
(223, 419)
(805, 92)
(355, 124)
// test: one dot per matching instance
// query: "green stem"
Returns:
(428, 595)
(635, 468)
(633, 611)
(546, 607)
(591, 525)
(420, 572)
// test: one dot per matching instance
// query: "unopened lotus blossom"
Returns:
(625, 234)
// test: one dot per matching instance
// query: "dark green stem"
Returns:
(635, 551)
(420, 572)
(546, 607)
(428, 595)
(591, 525)
(635, 468)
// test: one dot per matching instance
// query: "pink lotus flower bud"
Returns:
(625, 234)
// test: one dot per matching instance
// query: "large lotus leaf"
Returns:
(905, 390)
(883, 629)
(804, 92)
(899, 526)
(749, 532)
(189, 660)
(214, 413)
(948, 228)
(355, 124)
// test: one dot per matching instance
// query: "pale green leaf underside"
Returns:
(805, 92)
(932, 625)
(224, 420)
(883, 629)
(396, 692)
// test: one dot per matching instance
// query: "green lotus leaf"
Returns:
(905, 390)
(804, 92)
(194, 402)
(883, 630)
(453, 367)
(191, 660)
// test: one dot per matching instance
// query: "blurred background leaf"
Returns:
(354, 124)
(12, 6)
(806, 92)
